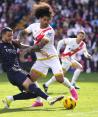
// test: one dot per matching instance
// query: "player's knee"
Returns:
(33, 77)
(26, 83)
(59, 78)
(64, 70)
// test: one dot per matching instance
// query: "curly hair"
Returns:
(43, 10)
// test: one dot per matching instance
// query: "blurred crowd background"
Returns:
(70, 16)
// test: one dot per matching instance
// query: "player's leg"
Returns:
(65, 66)
(38, 101)
(48, 98)
(21, 96)
(77, 72)
(59, 76)
(34, 92)
(27, 95)
(37, 71)
(20, 79)
(49, 82)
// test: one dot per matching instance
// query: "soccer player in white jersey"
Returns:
(72, 46)
(46, 53)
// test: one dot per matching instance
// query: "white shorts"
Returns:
(42, 66)
(68, 62)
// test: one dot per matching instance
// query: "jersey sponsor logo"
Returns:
(11, 51)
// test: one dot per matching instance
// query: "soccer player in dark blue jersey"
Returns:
(16, 76)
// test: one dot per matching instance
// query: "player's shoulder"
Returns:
(73, 39)
(69, 39)
(34, 25)
(51, 29)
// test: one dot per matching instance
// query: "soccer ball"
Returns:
(69, 103)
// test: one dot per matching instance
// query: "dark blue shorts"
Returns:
(17, 77)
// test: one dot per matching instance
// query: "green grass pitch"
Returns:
(87, 105)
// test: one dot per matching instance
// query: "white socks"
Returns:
(75, 76)
(67, 83)
(53, 79)
(49, 98)
(10, 98)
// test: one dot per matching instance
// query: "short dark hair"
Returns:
(42, 10)
(5, 29)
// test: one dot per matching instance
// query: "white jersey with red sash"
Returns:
(43, 63)
(72, 47)
(39, 34)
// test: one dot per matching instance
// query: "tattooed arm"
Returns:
(34, 48)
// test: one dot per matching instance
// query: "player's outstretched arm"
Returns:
(59, 45)
(22, 34)
(86, 54)
(20, 45)
(37, 47)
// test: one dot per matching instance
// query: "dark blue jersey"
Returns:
(8, 55)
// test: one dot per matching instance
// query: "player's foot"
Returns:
(45, 88)
(6, 102)
(74, 93)
(76, 87)
(56, 99)
(37, 104)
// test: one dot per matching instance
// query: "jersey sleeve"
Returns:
(59, 45)
(29, 28)
(84, 47)
(66, 41)
(85, 51)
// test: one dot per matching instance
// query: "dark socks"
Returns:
(35, 90)
(24, 96)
